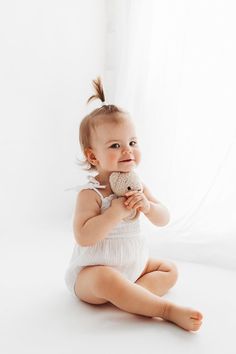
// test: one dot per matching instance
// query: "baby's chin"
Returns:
(126, 166)
(130, 169)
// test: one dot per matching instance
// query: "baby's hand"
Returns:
(118, 205)
(138, 201)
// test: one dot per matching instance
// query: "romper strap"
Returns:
(92, 184)
(99, 193)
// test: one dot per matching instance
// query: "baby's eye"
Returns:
(115, 146)
(132, 143)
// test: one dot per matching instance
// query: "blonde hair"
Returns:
(108, 113)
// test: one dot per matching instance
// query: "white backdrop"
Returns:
(171, 64)
(50, 51)
(174, 70)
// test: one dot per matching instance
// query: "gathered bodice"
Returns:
(123, 228)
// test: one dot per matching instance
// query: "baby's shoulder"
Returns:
(88, 197)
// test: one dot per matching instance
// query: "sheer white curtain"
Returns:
(173, 67)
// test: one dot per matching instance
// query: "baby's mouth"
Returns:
(128, 160)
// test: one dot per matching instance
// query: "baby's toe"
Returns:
(196, 324)
(196, 315)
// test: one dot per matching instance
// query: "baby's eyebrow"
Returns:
(112, 140)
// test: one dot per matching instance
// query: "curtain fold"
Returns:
(173, 68)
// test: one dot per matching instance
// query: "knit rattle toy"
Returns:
(123, 182)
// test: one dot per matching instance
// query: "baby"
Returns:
(110, 261)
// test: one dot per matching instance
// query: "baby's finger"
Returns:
(135, 200)
(132, 196)
(131, 193)
(137, 206)
(128, 200)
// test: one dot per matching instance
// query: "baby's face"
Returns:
(115, 146)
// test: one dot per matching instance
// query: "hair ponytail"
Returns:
(99, 92)
(107, 113)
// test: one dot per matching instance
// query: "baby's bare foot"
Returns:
(184, 317)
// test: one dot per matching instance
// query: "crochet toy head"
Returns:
(123, 182)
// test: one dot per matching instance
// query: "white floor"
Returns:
(38, 314)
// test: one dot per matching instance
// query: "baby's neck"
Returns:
(104, 181)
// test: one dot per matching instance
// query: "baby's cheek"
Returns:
(138, 156)
(112, 157)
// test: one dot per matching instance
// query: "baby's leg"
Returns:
(158, 276)
(99, 284)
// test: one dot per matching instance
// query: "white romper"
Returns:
(125, 248)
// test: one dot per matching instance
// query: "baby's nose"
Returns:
(126, 149)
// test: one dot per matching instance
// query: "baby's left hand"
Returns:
(138, 201)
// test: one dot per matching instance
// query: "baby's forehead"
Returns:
(115, 130)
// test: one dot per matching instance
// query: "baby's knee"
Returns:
(106, 279)
(173, 273)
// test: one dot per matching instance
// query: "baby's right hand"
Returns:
(119, 207)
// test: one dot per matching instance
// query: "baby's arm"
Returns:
(89, 224)
(156, 212)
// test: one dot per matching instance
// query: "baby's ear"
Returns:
(90, 156)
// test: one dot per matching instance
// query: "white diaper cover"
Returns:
(127, 255)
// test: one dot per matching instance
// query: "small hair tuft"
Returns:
(99, 92)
